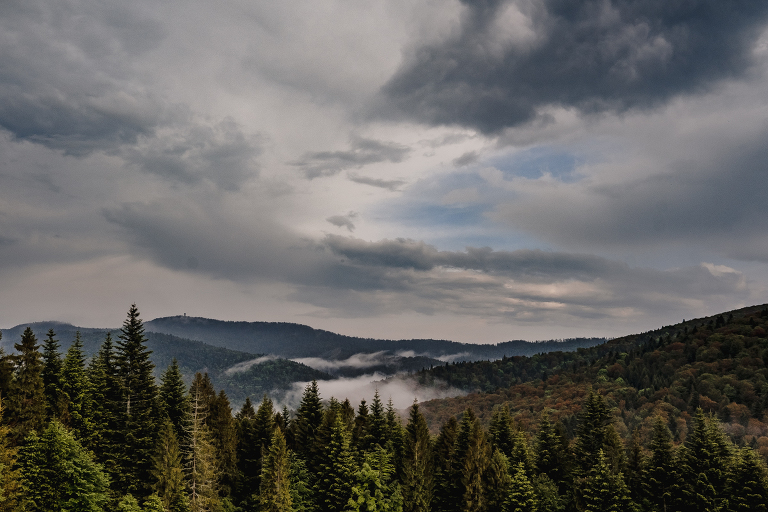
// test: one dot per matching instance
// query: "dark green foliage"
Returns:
(77, 392)
(417, 480)
(10, 485)
(140, 411)
(224, 436)
(748, 483)
(496, 482)
(552, 453)
(474, 467)
(336, 470)
(443, 454)
(377, 424)
(374, 489)
(107, 401)
(275, 487)
(360, 431)
(174, 400)
(58, 474)
(26, 398)
(52, 363)
(603, 490)
(500, 430)
(168, 471)
(521, 497)
(592, 431)
(309, 417)
(660, 474)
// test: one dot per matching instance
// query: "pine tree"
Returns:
(521, 497)
(521, 453)
(26, 399)
(154, 504)
(168, 471)
(475, 466)
(704, 463)
(6, 371)
(275, 489)
(107, 402)
(748, 483)
(174, 400)
(377, 429)
(309, 417)
(592, 430)
(604, 491)
(417, 481)
(77, 390)
(201, 456)
(500, 430)
(10, 485)
(636, 473)
(128, 504)
(302, 495)
(374, 489)
(58, 474)
(660, 474)
(336, 470)
(360, 431)
(552, 453)
(496, 482)
(52, 365)
(140, 413)
(443, 455)
(222, 426)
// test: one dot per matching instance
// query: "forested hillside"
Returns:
(104, 435)
(295, 340)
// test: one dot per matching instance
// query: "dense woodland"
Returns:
(667, 423)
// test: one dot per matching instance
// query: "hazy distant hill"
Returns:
(296, 340)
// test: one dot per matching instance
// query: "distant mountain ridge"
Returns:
(296, 341)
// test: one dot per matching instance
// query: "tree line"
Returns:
(81, 435)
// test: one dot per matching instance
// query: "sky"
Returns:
(470, 170)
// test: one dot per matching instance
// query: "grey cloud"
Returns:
(466, 159)
(512, 58)
(362, 152)
(65, 79)
(392, 185)
(343, 221)
(713, 199)
(221, 153)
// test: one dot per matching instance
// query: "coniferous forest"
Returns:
(646, 424)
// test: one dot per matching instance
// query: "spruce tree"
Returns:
(476, 461)
(6, 371)
(417, 481)
(603, 491)
(201, 455)
(52, 364)
(275, 488)
(748, 483)
(377, 429)
(140, 411)
(107, 402)
(168, 471)
(26, 404)
(77, 390)
(496, 482)
(58, 474)
(309, 417)
(174, 400)
(552, 453)
(360, 431)
(222, 426)
(660, 474)
(374, 489)
(521, 497)
(336, 470)
(500, 431)
(636, 472)
(443, 456)
(592, 431)
(10, 485)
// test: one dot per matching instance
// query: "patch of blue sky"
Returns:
(535, 162)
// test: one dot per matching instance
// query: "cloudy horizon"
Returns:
(473, 171)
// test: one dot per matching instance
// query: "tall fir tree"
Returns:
(309, 417)
(603, 490)
(78, 393)
(496, 482)
(174, 400)
(476, 462)
(10, 484)
(360, 431)
(107, 402)
(52, 364)
(592, 431)
(660, 473)
(377, 425)
(748, 483)
(336, 470)
(6, 371)
(26, 404)
(275, 488)
(59, 475)
(201, 455)
(443, 457)
(224, 435)
(521, 496)
(375, 489)
(552, 453)
(168, 471)
(140, 411)
(418, 471)
(500, 431)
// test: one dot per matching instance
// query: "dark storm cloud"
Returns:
(511, 58)
(362, 152)
(65, 78)
(392, 185)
